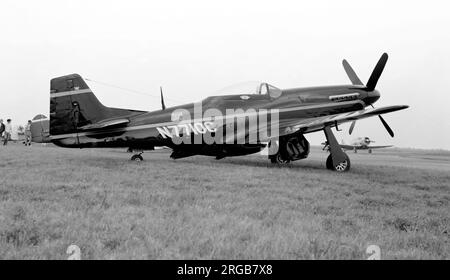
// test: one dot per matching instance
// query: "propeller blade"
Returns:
(351, 127)
(162, 99)
(376, 73)
(389, 130)
(351, 73)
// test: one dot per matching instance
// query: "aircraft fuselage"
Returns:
(143, 129)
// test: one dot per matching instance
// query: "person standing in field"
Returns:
(2, 128)
(28, 134)
(8, 132)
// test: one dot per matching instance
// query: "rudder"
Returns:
(74, 105)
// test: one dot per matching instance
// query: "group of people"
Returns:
(6, 131)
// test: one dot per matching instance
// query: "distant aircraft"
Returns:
(360, 143)
(79, 120)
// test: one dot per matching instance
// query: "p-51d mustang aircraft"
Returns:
(79, 120)
(360, 143)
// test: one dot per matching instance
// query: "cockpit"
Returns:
(251, 88)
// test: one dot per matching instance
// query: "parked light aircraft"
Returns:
(79, 120)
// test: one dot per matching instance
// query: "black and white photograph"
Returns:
(224, 135)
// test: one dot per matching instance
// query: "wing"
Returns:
(349, 147)
(314, 123)
(297, 115)
(379, 147)
(318, 123)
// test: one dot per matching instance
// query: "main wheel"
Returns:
(137, 158)
(340, 167)
(329, 163)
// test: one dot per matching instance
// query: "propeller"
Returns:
(376, 73)
(162, 99)
(385, 124)
(352, 126)
(351, 73)
(389, 130)
(370, 86)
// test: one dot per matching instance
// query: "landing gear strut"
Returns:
(337, 160)
(276, 158)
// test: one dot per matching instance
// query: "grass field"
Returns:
(237, 208)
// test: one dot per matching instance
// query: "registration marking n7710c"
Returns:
(196, 128)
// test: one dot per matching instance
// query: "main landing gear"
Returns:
(341, 167)
(287, 149)
(278, 158)
(337, 160)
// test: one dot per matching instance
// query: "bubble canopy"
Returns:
(250, 88)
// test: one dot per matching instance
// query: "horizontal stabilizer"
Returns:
(106, 124)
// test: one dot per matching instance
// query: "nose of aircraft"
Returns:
(372, 97)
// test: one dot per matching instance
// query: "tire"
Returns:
(341, 167)
(137, 158)
(329, 163)
(273, 159)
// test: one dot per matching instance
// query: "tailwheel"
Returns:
(137, 157)
(340, 167)
(278, 159)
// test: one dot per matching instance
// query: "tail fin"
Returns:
(74, 105)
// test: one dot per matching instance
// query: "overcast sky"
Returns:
(193, 48)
